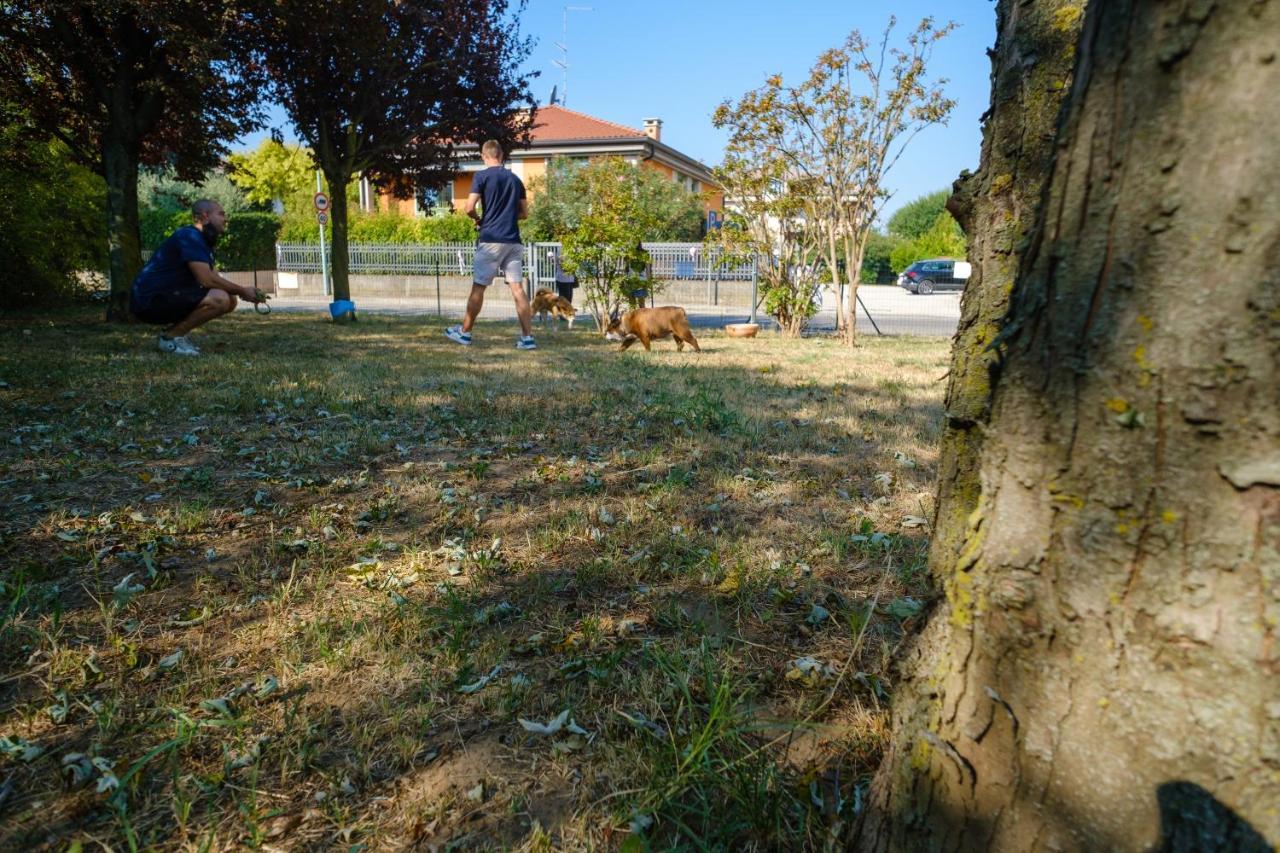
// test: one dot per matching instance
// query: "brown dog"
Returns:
(547, 303)
(652, 324)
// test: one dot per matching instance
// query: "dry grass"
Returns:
(377, 551)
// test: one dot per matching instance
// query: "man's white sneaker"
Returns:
(455, 334)
(526, 342)
(178, 346)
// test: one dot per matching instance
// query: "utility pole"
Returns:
(563, 45)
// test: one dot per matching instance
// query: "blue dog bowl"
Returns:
(341, 307)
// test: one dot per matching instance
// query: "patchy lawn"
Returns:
(342, 586)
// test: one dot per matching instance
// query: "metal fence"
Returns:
(437, 279)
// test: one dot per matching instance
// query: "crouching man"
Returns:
(178, 287)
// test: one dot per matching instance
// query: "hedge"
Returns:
(249, 244)
(51, 223)
(385, 228)
(250, 240)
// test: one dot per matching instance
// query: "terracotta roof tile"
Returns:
(558, 123)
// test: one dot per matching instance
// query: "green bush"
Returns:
(944, 239)
(250, 242)
(877, 266)
(157, 223)
(52, 222)
(384, 228)
(914, 219)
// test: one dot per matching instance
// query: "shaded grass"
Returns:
(377, 552)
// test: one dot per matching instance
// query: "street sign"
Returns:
(322, 202)
(322, 218)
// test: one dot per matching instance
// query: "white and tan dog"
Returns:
(547, 303)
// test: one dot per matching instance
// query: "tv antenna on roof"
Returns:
(563, 45)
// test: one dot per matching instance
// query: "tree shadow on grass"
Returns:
(702, 461)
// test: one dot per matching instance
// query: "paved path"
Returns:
(895, 311)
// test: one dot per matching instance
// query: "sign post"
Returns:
(322, 219)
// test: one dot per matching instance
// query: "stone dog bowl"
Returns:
(742, 330)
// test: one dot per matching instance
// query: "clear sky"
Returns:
(677, 59)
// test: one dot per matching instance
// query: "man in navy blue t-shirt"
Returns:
(499, 250)
(178, 286)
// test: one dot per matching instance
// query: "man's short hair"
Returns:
(203, 207)
(493, 150)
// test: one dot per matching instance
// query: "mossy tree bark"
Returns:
(1103, 672)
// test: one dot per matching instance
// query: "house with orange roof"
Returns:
(561, 132)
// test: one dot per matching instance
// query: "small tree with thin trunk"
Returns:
(604, 248)
(841, 131)
(129, 83)
(765, 221)
(388, 88)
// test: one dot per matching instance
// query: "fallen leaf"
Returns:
(817, 615)
(123, 592)
(20, 749)
(551, 727)
(809, 671)
(482, 682)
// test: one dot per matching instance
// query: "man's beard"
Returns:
(211, 234)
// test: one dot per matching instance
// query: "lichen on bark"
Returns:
(1103, 671)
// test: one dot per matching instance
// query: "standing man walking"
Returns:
(499, 250)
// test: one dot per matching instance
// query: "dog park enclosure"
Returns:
(435, 279)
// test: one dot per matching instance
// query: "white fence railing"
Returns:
(438, 277)
(674, 261)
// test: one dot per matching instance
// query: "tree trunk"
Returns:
(853, 271)
(1103, 673)
(1031, 74)
(124, 241)
(340, 269)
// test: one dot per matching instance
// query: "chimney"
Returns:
(653, 129)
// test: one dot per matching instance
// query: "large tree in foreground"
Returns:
(387, 88)
(1103, 672)
(124, 83)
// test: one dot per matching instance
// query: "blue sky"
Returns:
(678, 60)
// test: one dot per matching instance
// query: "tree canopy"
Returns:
(914, 219)
(560, 200)
(274, 172)
(124, 83)
(388, 88)
(841, 130)
(603, 248)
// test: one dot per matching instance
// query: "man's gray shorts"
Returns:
(495, 259)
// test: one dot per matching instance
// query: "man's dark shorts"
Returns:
(167, 307)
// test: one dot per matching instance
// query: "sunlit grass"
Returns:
(376, 552)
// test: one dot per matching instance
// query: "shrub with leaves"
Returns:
(559, 201)
(385, 228)
(52, 221)
(604, 249)
(944, 239)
